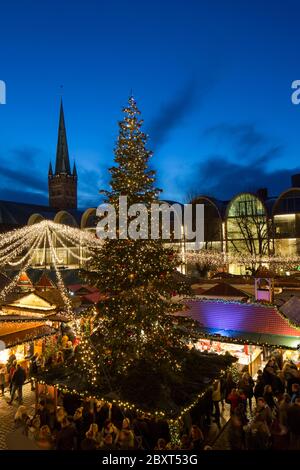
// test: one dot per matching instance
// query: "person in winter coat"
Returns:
(270, 373)
(11, 371)
(293, 422)
(2, 380)
(269, 397)
(236, 434)
(264, 411)
(33, 368)
(216, 398)
(246, 385)
(234, 399)
(259, 386)
(18, 380)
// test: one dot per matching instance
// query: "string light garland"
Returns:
(60, 283)
(28, 239)
(9, 287)
(218, 259)
(126, 405)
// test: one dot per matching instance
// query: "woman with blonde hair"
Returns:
(44, 438)
(21, 416)
(126, 436)
(95, 434)
(34, 428)
(60, 415)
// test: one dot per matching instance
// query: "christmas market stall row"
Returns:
(29, 323)
(249, 331)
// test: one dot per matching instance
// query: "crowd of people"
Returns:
(265, 414)
(96, 425)
(13, 375)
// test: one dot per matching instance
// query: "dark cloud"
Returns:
(20, 195)
(221, 178)
(171, 114)
(245, 169)
(22, 179)
(26, 155)
(245, 138)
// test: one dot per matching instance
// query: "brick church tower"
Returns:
(62, 184)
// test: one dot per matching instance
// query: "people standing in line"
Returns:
(18, 380)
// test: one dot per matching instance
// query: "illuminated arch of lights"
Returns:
(18, 250)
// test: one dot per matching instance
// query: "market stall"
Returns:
(250, 356)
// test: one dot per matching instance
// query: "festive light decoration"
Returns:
(138, 275)
(126, 405)
(132, 335)
(218, 259)
(27, 240)
(60, 283)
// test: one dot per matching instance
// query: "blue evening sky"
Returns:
(211, 77)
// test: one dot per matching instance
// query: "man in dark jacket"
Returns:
(67, 436)
(17, 383)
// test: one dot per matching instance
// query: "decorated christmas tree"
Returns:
(138, 276)
(133, 350)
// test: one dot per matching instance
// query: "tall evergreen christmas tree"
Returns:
(133, 351)
(134, 323)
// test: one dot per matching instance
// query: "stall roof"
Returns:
(291, 309)
(223, 289)
(23, 319)
(242, 337)
(247, 319)
(30, 334)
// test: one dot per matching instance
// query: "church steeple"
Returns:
(62, 184)
(62, 164)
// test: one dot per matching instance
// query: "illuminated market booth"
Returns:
(248, 331)
(26, 320)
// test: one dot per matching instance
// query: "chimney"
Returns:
(296, 181)
(262, 193)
